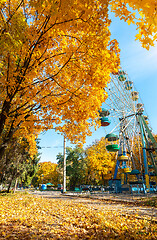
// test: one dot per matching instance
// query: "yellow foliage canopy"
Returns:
(47, 172)
(55, 61)
(143, 13)
(101, 162)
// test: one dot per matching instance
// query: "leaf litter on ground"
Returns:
(30, 217)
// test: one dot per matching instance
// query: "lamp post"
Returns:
(64, 165)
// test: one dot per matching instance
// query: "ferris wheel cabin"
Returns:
(136, 171)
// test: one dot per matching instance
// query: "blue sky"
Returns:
(141, 66)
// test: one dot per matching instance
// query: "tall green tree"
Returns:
(18, 163)
(76, 166)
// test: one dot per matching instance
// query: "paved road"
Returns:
(124, 204)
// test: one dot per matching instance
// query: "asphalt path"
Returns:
(124, 204)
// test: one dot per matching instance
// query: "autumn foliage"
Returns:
(27, 217)
(47, 173)
(91, 166)
(141, 13)
(100, 162)
(55, 61)
(56, 58)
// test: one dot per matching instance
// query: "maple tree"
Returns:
(100, 162)
(47, 173)
(141, 13)
(56, 58)
(55, 61)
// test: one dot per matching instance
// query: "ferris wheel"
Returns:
(130, 136)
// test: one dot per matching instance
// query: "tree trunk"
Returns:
(16, 181)
(11, 182)
(2, 151)
(9, 185)
(4, 113)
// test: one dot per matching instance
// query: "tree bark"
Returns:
(9, 185)
(16, 181)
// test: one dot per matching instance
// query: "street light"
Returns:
(64, 165)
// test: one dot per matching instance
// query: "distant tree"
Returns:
(18, 163)
(76, 166)
(100, 163)
(137, 151)
(47, 173)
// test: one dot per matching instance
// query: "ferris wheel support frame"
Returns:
(150, 134)
(151, 155)
(144, 152)
(125, 108)
(122, 151)
(154, 143)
